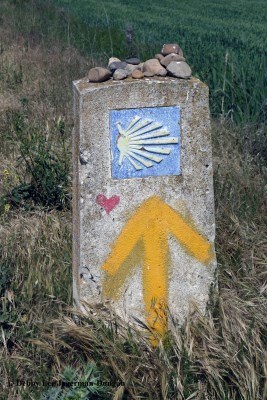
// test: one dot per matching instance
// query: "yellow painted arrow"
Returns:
(149, 227)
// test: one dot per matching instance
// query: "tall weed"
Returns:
(44, 179)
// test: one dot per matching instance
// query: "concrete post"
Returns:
(143, 208)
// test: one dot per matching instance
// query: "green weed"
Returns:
(45, 180)
(79, 386)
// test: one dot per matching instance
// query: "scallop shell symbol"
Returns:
(144, 143)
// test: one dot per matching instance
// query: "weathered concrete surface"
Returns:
(169, 258)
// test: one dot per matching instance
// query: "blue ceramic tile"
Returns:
(145, 142)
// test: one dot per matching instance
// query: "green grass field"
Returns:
(206, 30)
(219, 356)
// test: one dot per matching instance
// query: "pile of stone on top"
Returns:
(169, 62)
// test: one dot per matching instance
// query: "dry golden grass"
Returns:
(44, 81)
(35, 265)
(220, 356)
(35, 246)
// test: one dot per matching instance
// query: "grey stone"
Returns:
(148, 74)
(153, 65)
(130, 68)
(159, 57)
(95, 229)
(179, 69)
(112, 60)
(136, 74)
(141, 66)
(98, 74)
(170, 48)
(165, 61)
(133, 61)
(117, 65)
(120, 74)
(162, 72)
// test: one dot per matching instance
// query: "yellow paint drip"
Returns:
(155, 276)
(152, 223)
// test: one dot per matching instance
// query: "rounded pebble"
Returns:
(133, 61)
(148, 74)
(179, 69)
(120, 74)
(165, 61)
(117, 65)
(159, 56)
(136, 74)
(162, 72)
(170, 48)
(130, 68)
(112, 60)
(99, 74)
(153, 65)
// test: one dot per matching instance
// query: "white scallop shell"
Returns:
(144, 143)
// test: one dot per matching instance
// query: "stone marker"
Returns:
(143, 205)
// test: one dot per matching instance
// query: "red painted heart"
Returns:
(107, 204)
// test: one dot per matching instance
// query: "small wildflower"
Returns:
(6, 208)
